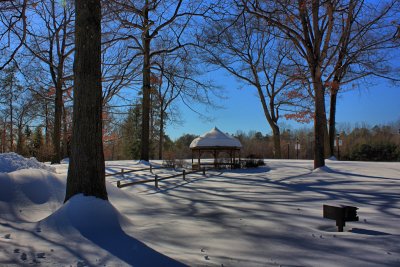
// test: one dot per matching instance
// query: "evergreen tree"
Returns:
(37, 142)
(131, 131)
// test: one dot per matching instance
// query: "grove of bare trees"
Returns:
(298, 56)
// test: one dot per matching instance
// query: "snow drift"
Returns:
(100, 222)
(30, 195)
(10, 162)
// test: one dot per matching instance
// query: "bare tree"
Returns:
(86, 171)
(364, 40)
(244, 47)
(141, 24)
(25, 113)
(11, 91)
(308, 26)
(51, 41)
(13, 23)
(322, 33)
(177, 77)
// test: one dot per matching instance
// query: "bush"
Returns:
(253, 163)
(170, 161)
(376, 152)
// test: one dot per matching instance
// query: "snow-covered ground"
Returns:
(269, 216)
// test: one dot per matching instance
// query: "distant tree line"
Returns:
(356, 143)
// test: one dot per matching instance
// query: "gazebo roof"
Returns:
(215, 138)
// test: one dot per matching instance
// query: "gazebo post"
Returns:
(231, 158)
(215, 158)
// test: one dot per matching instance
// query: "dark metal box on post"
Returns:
(340, 214)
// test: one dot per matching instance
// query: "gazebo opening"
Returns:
(216, 144)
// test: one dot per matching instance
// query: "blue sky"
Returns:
(374, 104)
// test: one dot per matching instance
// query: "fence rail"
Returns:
(157, 178)
(124, 171)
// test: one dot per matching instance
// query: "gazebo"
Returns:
(215, 142)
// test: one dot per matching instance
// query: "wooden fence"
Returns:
(158, 179)
(123, 171)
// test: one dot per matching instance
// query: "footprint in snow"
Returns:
(206, 257)
(17, 250)
(23, 256)
(202, 250)
(41, 255)
(7, 236)
(81, 264)
(38, 230)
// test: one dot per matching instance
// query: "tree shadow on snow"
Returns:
(99, 222)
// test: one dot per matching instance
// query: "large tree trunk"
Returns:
(145, 138)
(319, 124)
(56, 157)
(64, 151)
(47, 122)
(86, 168)
(277, 141)
(271, 117)
(11, 122)
(20, 142)
(3, 137)
(332, 121)
(326, 138)
(161, 135)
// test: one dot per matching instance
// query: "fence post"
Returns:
(156, 181)
(118, 184)
(151, 168)
(184, 174)
(122, 173)
(204, 171)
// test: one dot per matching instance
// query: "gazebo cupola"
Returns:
(215, 142)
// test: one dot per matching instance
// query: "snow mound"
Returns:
(10, 162)
(333, 158)
(101, 223)
(144, 162)
(87, 215)
(324, 169)
(30, 195)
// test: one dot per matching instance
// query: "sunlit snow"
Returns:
(268, 216)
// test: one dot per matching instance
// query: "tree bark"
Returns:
(56, 158)
(86, 169)
(47, 121)
(3, 137)
(11, 121)
(64, 151)
(161, 138)
(319, 124)
(20, 142)
(277, 141)
(145, 138)
(332, 121)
